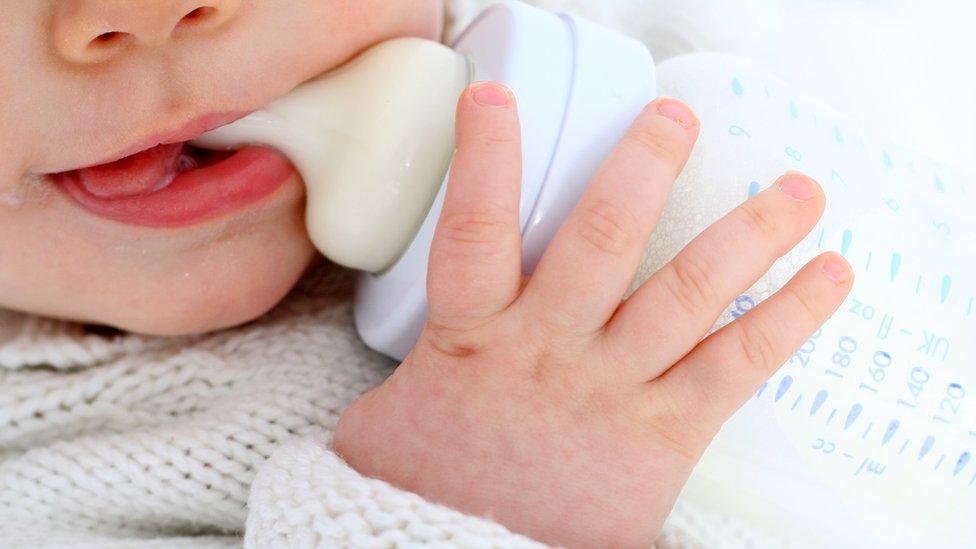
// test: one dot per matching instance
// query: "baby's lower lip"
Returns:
(149, 190)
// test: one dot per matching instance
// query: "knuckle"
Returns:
(678, 439)
(614, 355)
(804, 303)
(557, 324)
(477, 232)
(680, 424)
(761, 221)
(450, 342)
(691, 284)
(494, 136)
(607, 227)
(664, 144)
(757, 344)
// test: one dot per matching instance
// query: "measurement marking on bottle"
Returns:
(946, 288)
(890, 431)
(847, 241)
(753, 188)
(926, 447)
(895, 265)
(911, 383)
(961, 463)
(818, 402)
(888, 162)
(737, 87)
(784, 386)
(853, 415)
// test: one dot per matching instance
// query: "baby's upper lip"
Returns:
(187, 132)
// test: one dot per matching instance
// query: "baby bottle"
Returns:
(866, 437)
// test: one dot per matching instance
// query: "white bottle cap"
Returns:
(579, 87)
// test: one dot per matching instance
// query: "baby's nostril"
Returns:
(197, 15)
(108, 39)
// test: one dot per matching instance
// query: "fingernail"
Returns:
(678, 112)
(798, 186)
(837, 269)
(489, 94)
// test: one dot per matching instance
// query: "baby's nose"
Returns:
(95, 31)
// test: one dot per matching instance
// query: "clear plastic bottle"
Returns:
(866, 437)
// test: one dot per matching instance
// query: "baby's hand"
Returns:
(549, 404)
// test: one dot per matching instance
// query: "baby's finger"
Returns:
(475, 260)
(677, 306)
(584, 274)
(727, 368)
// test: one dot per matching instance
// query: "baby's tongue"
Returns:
(138, 174)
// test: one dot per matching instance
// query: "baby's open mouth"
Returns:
(176, 184)
(147, 172)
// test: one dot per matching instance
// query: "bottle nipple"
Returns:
(373, 141)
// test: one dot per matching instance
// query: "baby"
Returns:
(547, 404)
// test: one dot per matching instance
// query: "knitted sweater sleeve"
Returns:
(306, 496)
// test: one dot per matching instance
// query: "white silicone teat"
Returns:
(373, 141)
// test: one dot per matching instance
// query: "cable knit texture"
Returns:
(143, 442)
(115, 441)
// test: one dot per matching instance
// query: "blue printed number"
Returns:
(743, 304)
(738, 131)
(803, 355)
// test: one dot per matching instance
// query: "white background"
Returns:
(903, 67)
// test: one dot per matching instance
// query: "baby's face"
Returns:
(169, 239)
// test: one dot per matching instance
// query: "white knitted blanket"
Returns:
(126, 441)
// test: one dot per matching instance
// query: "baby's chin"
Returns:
(224, 284)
